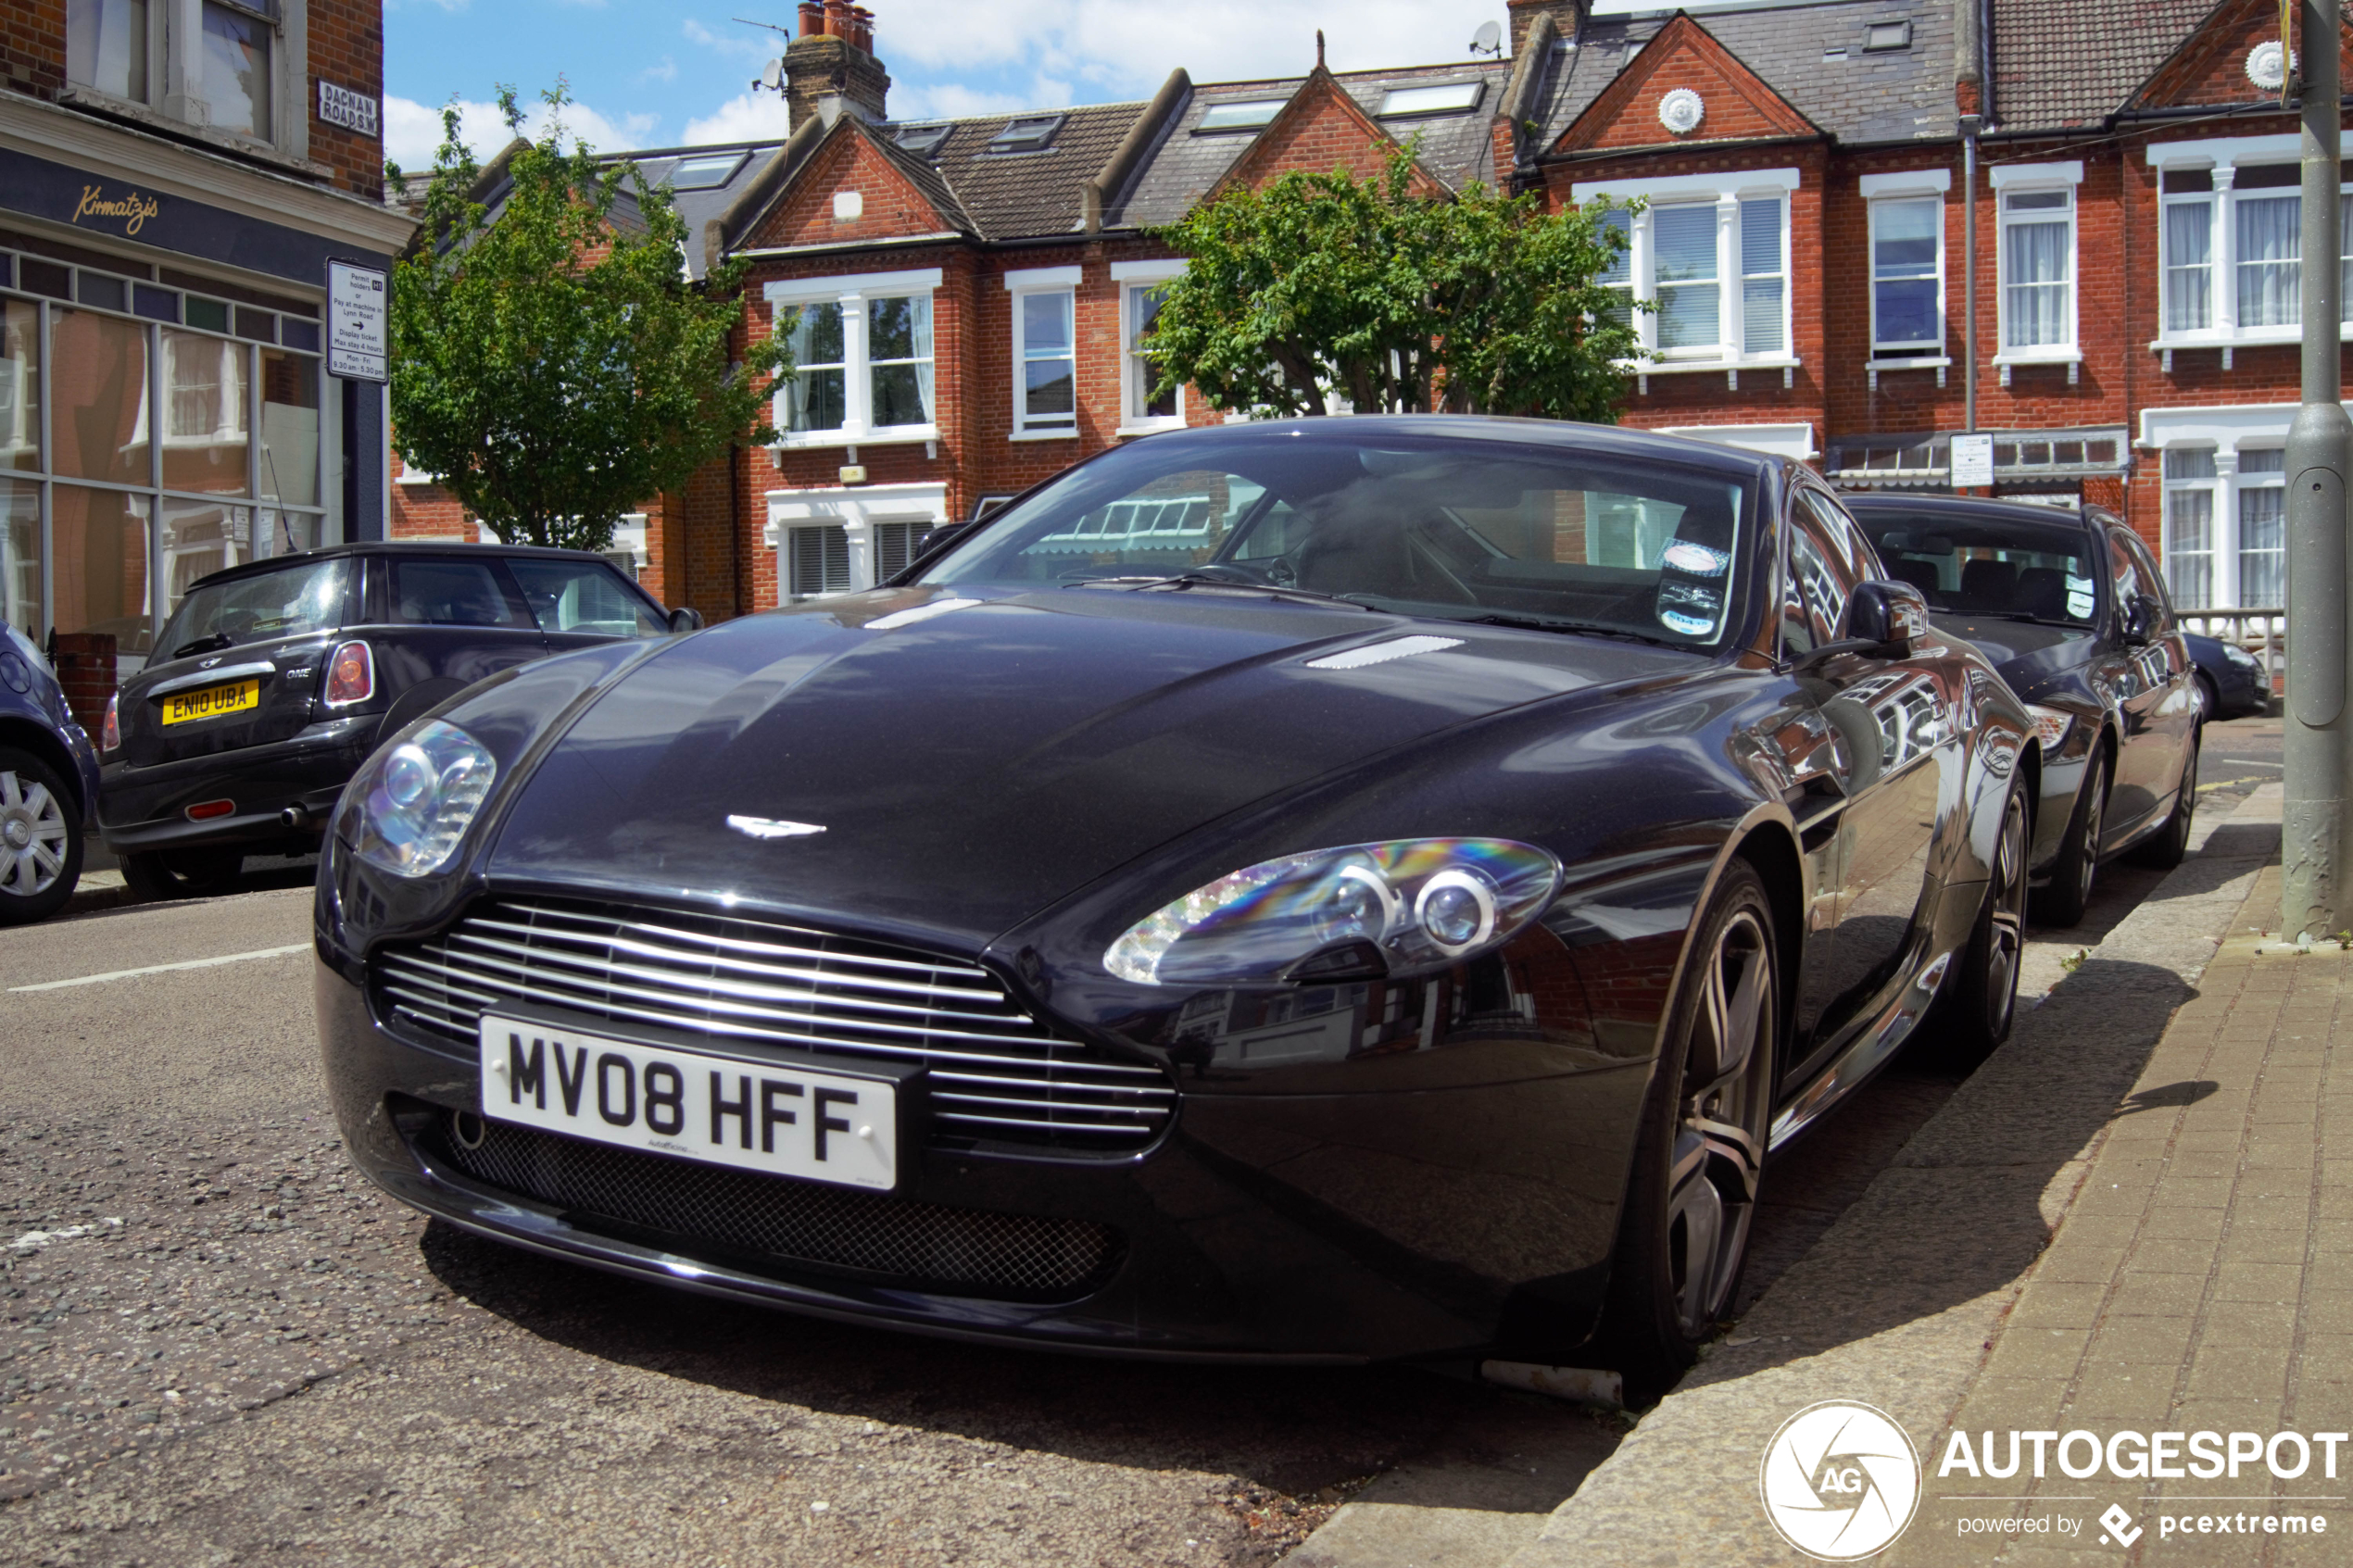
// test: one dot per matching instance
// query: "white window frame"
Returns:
(2226, 431)
(2223, 155)
(2013, 179)
(1138, 376)
(1021, 284)
(1726, 191)
(853, 292)
(175, 75)
(855, 512)
(1910, 185)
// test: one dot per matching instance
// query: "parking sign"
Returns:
(358, 316)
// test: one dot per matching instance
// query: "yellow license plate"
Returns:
(212, 702)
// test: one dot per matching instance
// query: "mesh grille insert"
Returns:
(995, 1072)
(1012, 1257)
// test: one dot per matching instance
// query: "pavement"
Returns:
(2124, 1220)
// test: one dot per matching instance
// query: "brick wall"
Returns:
(32, 46)
(86, 666)
(348, 49)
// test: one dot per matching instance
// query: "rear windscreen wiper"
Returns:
(204, 645)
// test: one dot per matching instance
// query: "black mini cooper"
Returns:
(273, 680)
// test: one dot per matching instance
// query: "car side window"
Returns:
(1821, 575)
(2153, 579)
(2124, 577)
(585, 596)
(453, 593)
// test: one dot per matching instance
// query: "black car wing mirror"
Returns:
(1883, 620)
(685, 619)
(2142, 615)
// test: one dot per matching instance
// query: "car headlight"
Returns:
(2051, 725)
(412, 803)
(2240, 657)
(1416, 903)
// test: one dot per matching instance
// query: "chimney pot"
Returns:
(812, 18)
(837, 19)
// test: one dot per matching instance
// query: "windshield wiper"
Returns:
(1588, 628)
(2031, 620)
(204, 645)
(1209, 579)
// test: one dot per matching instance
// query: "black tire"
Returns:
(1681, 1246)
(162, 875)
(2077, 869)
(1981, 1001)
(2170, 845)
(2210, 695)
(40, 839)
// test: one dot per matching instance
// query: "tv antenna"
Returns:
(773, 77)
(1488, 40)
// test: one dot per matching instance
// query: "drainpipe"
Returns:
(1968, 94)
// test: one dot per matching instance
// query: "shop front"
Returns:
(166, 403)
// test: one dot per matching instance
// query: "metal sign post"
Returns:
(2317, 744)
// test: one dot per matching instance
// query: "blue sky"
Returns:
(662, 73)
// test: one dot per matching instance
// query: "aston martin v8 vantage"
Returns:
(1322, 890)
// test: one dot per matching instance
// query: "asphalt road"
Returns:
(218, 1344)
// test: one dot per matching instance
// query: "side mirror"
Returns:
(684, 619)
(1893, 615)
(2143, 615)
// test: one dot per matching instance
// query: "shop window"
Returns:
(289, 429)
(19, 384)
(98, 566)
(205, 400)
(20, 557)
(100, 388)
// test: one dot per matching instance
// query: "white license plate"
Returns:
(722, 1111)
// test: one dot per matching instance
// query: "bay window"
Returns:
(862, 369)
(1705, 273)
(1045, 351)
(2230, 240)
(1142, 286)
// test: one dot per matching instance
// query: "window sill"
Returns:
(2263, 338)
(899, 435)
(1938, 362)
(2070, 357)
(1043, 435)
(1643, 369)
(227, 142)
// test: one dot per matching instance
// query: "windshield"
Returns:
(291, 603)
(2024, 571)
(1414, 524)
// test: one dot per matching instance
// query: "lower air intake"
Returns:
(1012, 1257)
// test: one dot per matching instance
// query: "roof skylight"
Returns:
(1026, 134)
(704, 173)
(923, 140)
(1240, 117)
(1451, 97)
(1878, 36)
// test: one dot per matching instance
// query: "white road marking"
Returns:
(166, 967)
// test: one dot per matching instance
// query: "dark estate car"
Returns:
(48, 786)
(274, 681)
(1322, 890)
(2231, 681)
(2071, 608)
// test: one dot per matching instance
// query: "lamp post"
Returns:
(2317, 748)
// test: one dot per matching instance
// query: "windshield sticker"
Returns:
(2079, 597)
(1697, 559)
(1689, 625)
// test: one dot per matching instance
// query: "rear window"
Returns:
(2023, 571)
(584, 597)
(453, 593)
(292, 603)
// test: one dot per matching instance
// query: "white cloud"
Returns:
(764, 47)
(748, 117)
(949, 100)
(666, 71)
(412, 130)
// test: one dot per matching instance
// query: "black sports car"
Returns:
(274, 679)
(1329, 889)
(2072, 611)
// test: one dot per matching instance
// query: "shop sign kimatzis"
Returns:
(358, 316)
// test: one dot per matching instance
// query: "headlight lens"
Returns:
(2240, 656)
(2051, 725)
(1419, 902)
(414, 801)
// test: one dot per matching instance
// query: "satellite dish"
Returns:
(1488, 40)
(774, 77)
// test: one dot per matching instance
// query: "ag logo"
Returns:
(1839, 1480)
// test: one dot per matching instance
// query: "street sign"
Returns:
(358, 318)
(341, 105)
(1972, 462)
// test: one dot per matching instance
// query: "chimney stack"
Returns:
(831, 66)
(1566, 15)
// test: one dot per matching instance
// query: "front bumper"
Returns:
(1310, 1228)
(142, 809)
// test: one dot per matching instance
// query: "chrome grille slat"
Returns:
(996, 1073)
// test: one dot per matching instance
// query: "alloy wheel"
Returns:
(2008, 916)
(2087, 871)
(1718, 1152)
(33, 836)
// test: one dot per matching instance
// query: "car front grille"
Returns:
(967, 1251)
(994, 1073)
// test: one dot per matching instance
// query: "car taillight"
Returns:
(351, 675)
(110, 733)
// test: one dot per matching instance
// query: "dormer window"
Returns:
(1451, 97)
(924, 141)
(1029, 133)
(1240, 117)
(1880, 36)
(704, 173)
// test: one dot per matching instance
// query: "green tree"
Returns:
(552, 365)
(1322, 285)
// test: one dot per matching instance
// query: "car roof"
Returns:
(1613, 440)
(1983, 507)
(393, 547)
